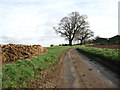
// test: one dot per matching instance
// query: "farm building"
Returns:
(115, 40)
(104, 41)
(100, 41)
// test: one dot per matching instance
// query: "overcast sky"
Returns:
(32, 21)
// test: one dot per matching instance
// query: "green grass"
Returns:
(14, 75)
(110, 55)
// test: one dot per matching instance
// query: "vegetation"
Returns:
(16, 74)
(110, 55)
(74, 25)
(84, 35)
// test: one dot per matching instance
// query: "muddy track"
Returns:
(50, 78)
(79, 74)
(111, 72)
(71, 71)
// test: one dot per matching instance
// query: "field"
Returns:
(105, 46)
(19, 73)
(16, 75)
(110, 55)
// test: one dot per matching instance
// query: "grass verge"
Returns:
(16, 74)
(110, 55)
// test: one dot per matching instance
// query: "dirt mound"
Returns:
(12, 52)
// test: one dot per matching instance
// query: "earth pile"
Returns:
(13, 52)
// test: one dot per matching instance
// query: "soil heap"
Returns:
(13, 52)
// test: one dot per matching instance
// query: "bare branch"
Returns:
(73, 26)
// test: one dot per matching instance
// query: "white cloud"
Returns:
(13, 39)
(104, 26)
(34, 19)
(100, 22)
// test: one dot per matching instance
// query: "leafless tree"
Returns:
(69, 26)
(97, 37)
(83, 35)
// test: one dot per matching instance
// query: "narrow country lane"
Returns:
(79, 74)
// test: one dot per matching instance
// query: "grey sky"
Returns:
(32, 21)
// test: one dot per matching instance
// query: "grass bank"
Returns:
(16, 74)
(109, 55)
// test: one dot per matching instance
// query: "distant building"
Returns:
(104, 41)
(100, 41)
(115, 40)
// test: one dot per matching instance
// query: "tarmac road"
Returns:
(78, 73)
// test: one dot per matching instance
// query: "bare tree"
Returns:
(69, 26)
(97, 37)
(83, 35)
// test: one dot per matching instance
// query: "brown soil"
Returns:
(71, 71)
(13, 52)
(50, 78)
(83, 75)
(5, 63)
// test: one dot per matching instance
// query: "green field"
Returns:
(110, 55)
(14, 75)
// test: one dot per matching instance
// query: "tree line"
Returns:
(74, 27)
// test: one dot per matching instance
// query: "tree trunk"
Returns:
(70, 42)
(81, 42)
